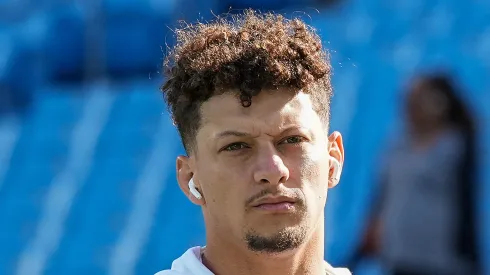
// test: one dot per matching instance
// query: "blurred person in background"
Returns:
(251, 100)
(425, 221)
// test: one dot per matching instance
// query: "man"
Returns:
(250, 98)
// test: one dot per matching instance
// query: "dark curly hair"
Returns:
(246, 54)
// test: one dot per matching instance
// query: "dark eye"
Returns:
(292, 140)
(235, 146)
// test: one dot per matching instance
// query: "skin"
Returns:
(279, 145)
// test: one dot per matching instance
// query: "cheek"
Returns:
(217, 190)
(311, 170)
(223, 194)
(313, 166)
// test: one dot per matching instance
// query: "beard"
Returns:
(286, 236)
(286, 239)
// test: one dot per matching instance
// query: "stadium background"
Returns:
(87, 149)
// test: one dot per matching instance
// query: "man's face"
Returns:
(263, 171)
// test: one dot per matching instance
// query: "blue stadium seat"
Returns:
(17, 73)
(135, 33)
(66, 41)
(38, 156)
(257, 4)
(13, 10)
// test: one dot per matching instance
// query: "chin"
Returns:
(271, 225)
(279, 241)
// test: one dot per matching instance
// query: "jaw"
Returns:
(227, 253)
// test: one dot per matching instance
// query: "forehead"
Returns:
(270, 111)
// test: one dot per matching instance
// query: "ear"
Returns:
(336, 152)
(184, 175)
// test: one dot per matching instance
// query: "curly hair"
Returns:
(244, 55)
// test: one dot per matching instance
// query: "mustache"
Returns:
(292, 193)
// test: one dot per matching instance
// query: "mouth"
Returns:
(281, 206)
(275, 204)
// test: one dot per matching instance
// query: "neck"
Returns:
(224, 258)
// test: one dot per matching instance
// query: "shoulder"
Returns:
(171, 272)
(336, 270)
(187, 264)
(452, 139)
(341, 271)
(450, 146)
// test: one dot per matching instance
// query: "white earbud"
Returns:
(193, 190)
(337, 170)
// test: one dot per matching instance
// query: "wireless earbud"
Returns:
(337, 170)
(193, 190)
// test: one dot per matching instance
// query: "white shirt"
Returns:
(190, 263)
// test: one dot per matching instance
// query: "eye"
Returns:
(293, 140)
(235, 146)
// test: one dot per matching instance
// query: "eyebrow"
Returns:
(232, 133)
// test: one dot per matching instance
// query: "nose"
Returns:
(270, 168)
